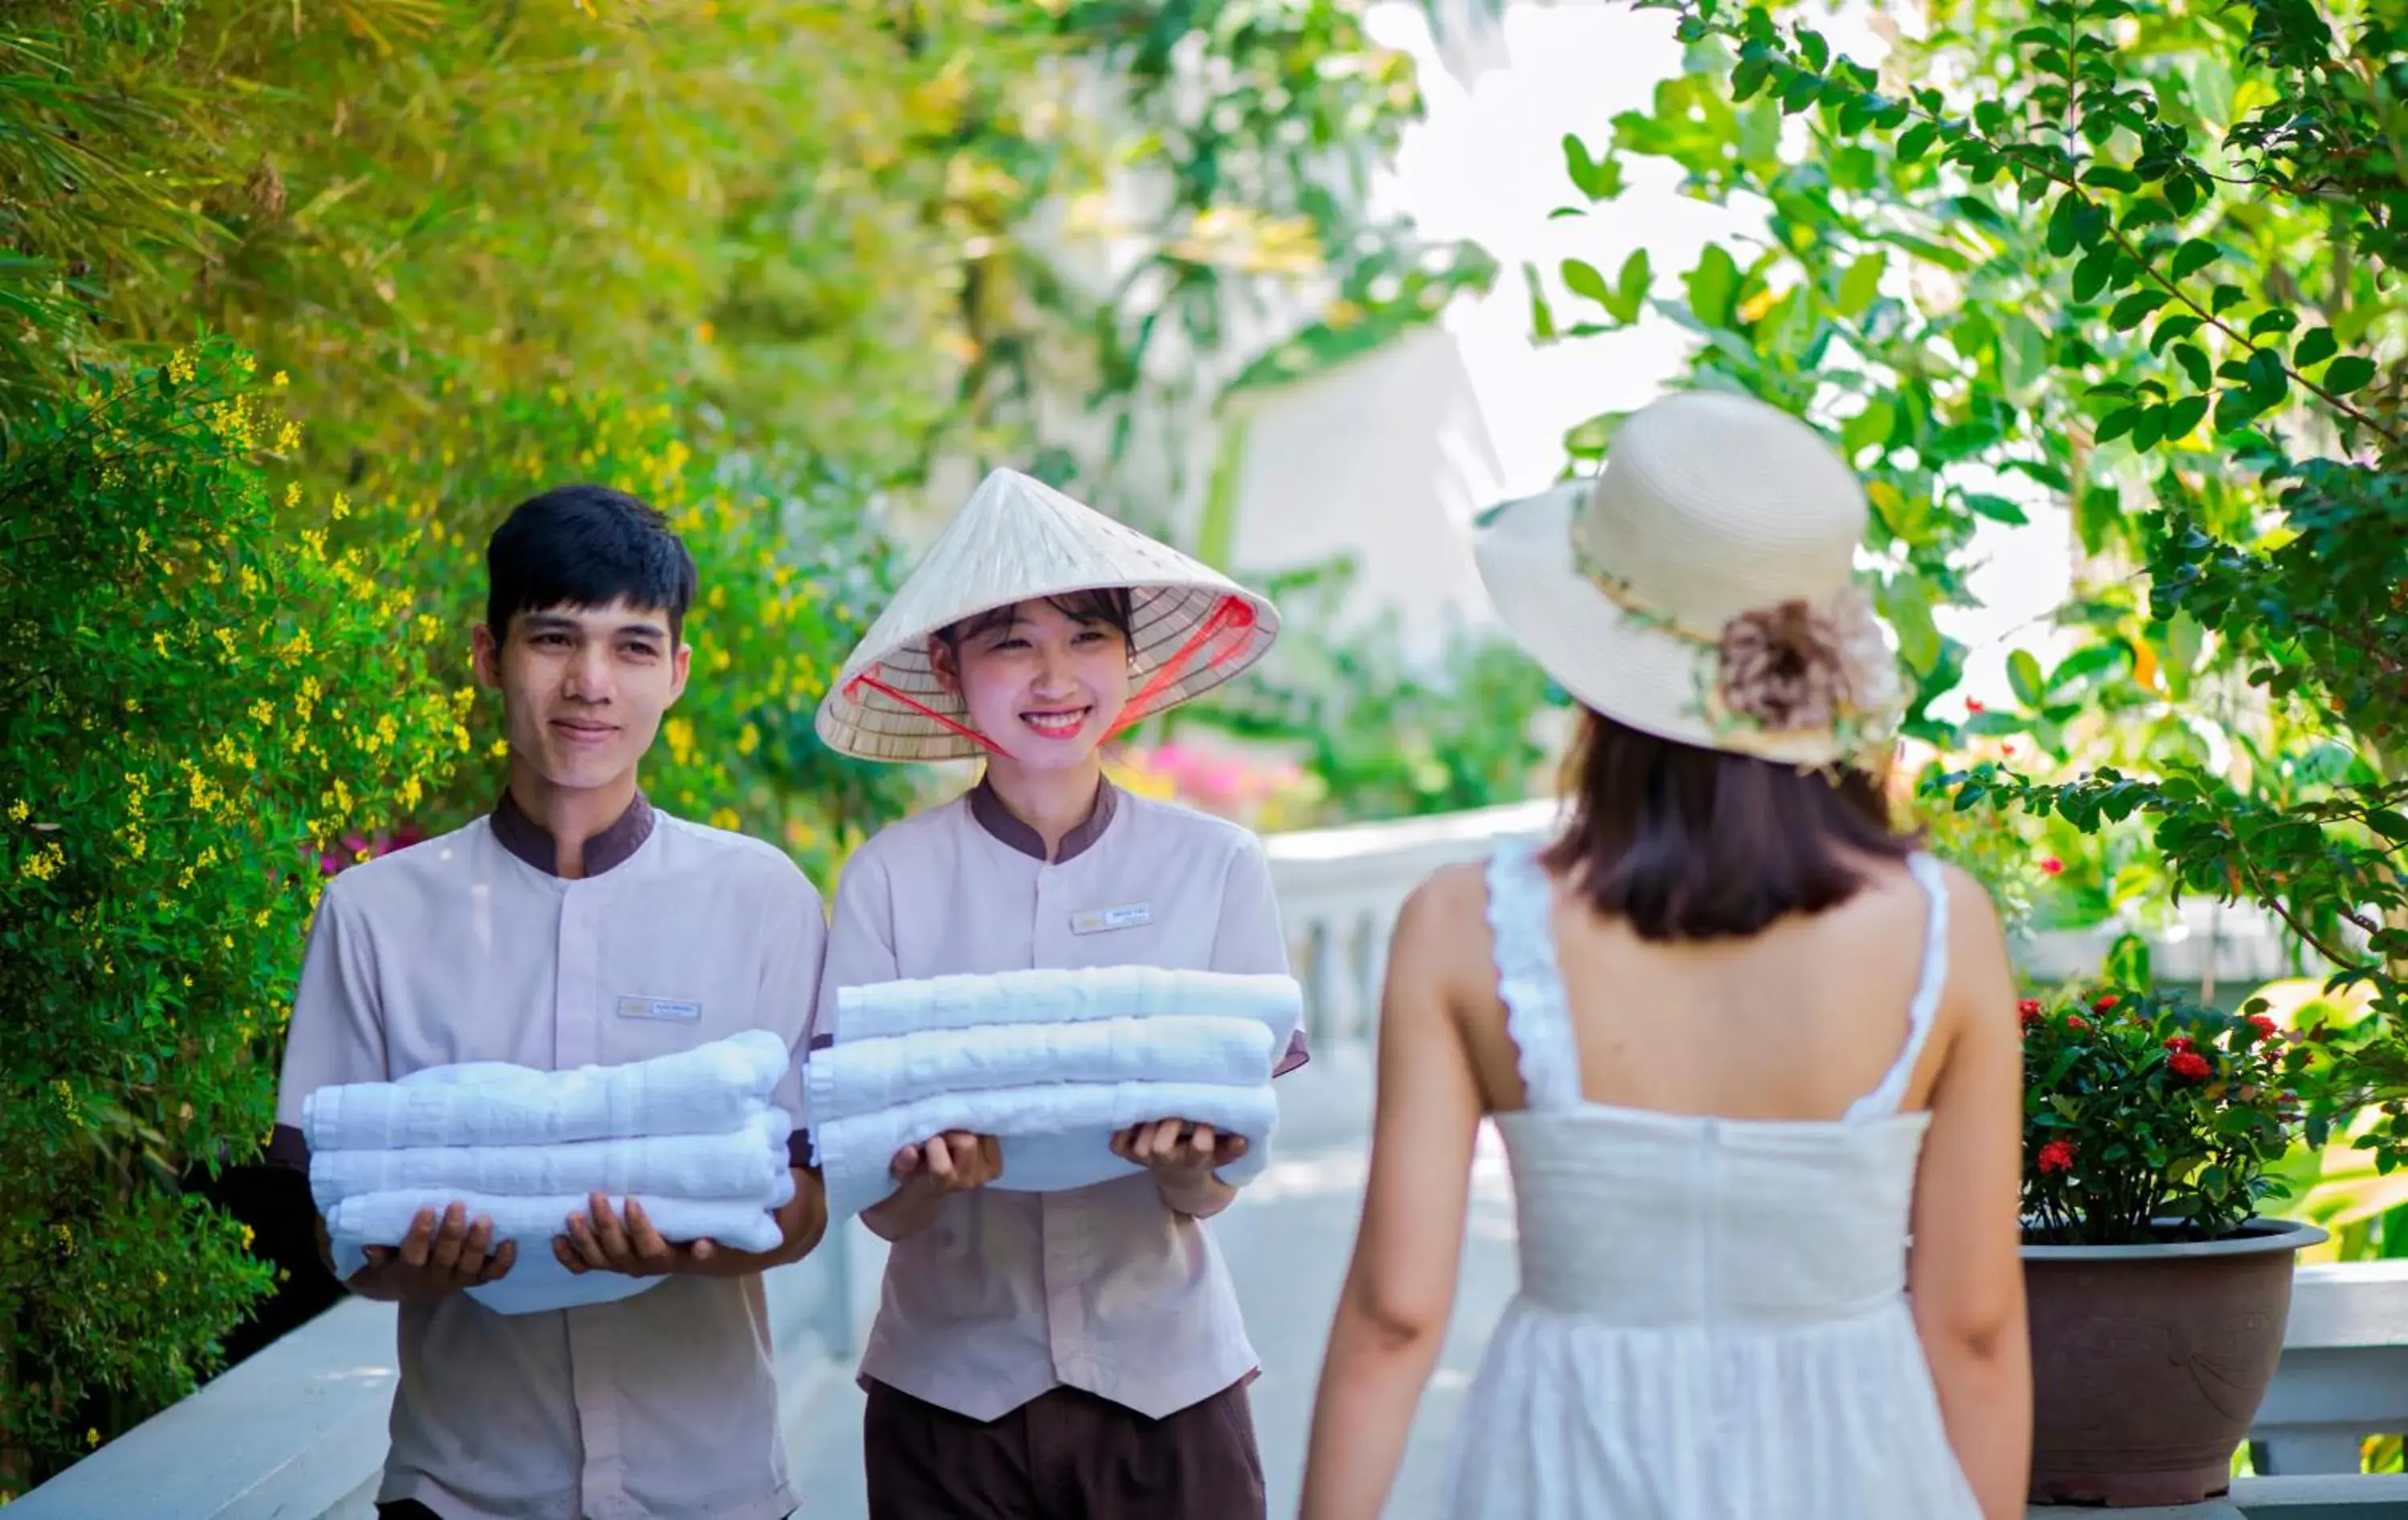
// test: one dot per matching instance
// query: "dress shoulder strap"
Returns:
(1883, 1100)
(1520, 902)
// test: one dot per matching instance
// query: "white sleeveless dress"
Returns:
(1712, 1320)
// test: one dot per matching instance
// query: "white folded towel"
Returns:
(858, 1076)
(1055, 1136)
(748, 1163)
(875, 1010)
(704, 1091)
(369, 1219)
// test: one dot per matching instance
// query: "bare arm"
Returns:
(1964, 1272)
(1399, 1289)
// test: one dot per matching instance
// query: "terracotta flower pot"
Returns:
(2149, 1361)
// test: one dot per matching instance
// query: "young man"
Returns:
(574, 925)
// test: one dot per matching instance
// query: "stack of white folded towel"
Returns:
(693, 1137)
(1053, 1063)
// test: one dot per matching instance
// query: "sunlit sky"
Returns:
(1488, 165)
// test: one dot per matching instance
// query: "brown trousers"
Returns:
(1066, 1454)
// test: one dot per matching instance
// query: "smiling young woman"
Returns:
(1097, 1323)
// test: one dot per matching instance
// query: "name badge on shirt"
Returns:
(1105, 920)
(660, 1008)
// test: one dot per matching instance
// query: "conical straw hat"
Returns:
(1017, 539)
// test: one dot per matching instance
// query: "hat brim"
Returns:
(1605, 656)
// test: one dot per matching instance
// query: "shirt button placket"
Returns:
(1062, 1223)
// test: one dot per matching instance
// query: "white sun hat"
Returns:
(1702, 588)
(1018, 540)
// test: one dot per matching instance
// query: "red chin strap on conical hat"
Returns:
(868, 679)
(1218, 639)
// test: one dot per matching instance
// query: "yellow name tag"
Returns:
(660, 1008)
(1105, 920)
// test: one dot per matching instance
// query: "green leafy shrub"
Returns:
(201, 697)
(2148, 1117)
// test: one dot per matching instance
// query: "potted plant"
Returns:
(2158, 1293)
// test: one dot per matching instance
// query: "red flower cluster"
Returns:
(2113, 1078)
(2053, 866)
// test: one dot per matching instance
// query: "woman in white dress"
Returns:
(1754, 1055)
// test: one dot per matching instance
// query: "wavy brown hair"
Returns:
(1689, 843)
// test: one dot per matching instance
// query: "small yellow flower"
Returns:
(92, 1438)
(247, 1237)
(341, 509)
(18, 812)
(293, 495)
(280, 380)
(263, 712)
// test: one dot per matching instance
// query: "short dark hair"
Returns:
(585, 546)
(1111, 605)
(1683, 842)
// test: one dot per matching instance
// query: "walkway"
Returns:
(1287, 1241)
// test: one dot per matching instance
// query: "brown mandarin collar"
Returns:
(998, 820)
(532, 842)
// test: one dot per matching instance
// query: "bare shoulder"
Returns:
(1975, 928)
(1442, 928)
(1447, 896)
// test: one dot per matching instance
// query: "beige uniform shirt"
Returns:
(467, 948)
(1008, 1293)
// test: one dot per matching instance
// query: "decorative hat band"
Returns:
(1796, 667)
